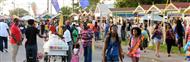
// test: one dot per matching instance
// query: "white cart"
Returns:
(55, 47)
(55, 52)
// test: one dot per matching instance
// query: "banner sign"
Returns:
(56, 5)
(84, 3)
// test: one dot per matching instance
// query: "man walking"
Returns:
(15, 39)
(4, 33)
(31, 43)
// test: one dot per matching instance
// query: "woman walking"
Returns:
(157, 37)
(134, 44)
(170, 38)
(179, 33)
(96, 30)
(123, 30)
(112, 51)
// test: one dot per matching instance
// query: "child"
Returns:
(187, 51)
(188, 54)
(75, 56)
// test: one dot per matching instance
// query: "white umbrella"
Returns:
(27, 17)
(154, 18)
(157, 18)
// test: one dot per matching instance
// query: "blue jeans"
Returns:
(88, 54)
(99, 35)
(96, 36)
(31, 53)
(105, 34)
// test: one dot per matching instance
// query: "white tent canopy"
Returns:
(153, 17)
(102, 10)
(27, 17)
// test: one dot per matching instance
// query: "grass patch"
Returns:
(124, 42)
(163, 48)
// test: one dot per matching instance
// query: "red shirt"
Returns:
(17, 33)
(53, 29)
(90, 26)
(96, 29)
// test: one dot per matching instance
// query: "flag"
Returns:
(60, 31)
(34, 8)
(55, 5)
(84, 3)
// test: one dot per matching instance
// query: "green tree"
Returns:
(19, 12)
(66, 10)
(125, 3)
(93, 3)
(134, 3)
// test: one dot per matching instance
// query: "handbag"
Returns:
(173, 39)
(153, 36)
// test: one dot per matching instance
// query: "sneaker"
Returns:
(157, 55)
(169, 55)
(5, 50)
(1, 51)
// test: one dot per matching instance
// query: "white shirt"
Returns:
(3, 29)
(57, 28)
(79, 30)
(119, 30)
(67, 36)
(103, 26)
(93, 22)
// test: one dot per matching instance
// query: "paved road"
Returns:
(6, 57)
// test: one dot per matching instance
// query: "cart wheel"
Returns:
(46, 57)
(54, 58)
(63, 59)
(49, 58)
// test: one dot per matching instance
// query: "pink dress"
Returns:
(137, 52)
(75, 56)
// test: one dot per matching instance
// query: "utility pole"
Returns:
(14, 4)
(51, 8)
(47, 6)
(73, 5)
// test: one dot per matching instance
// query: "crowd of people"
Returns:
(106, 29)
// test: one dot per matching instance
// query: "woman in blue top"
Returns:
(112, 51)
